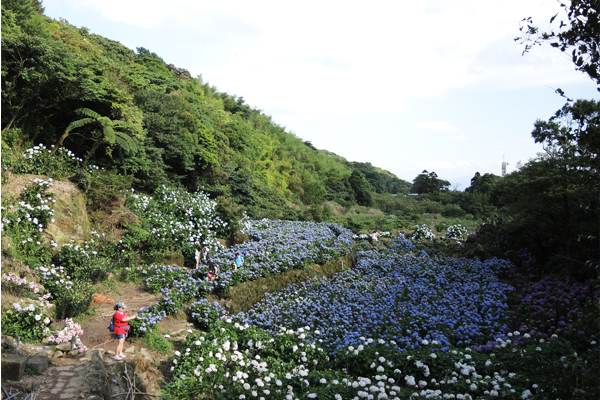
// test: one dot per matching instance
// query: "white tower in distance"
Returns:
(504, 164)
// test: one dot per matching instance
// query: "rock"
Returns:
(147, 355)
(13, 367)
(239, 238)
(130, 349)
(110, 353)
(96, 379)
(38, 363)
(64, 347)
(9, 342)
(57, 354)
(70, 214)
(73, 353)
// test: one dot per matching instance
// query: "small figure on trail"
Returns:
(205, 254)
(238, 261)
(197, 256)
(375, 236)
(121, 329)
(213, 271)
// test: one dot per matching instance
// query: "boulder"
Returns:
(38, 363)
(57, 354)
(239, 238)
(13, 367)
(147, 355)
(96, 378)
(8, 342)
(73, 353)
(64, 347)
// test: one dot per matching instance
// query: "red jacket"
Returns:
(119, 323)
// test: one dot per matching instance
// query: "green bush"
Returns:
(156, 342)
(205, 313)
(453, 210)
(29, 323)
(75, 301)
(440, 227)
(83, 262)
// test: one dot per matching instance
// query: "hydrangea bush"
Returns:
(28, 322)
(24, 222)
(69, 334)
(178, 220)
(206, 313)
(456, 232)
(39, 160)
(422, 232)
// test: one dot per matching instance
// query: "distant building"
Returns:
(504, 164)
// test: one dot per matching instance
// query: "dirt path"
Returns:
(95, 328)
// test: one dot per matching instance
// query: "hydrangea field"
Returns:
(277, 246)
(280, 246)
(401, 324)
(401, 298)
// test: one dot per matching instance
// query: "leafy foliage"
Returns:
(578, 32)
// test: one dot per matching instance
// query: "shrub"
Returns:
(83, 262)
(422, 233)
(205, 313)
(69, 334)
(18, 286)
(25, 223)
(38, 160)
(148, 318)
(29, 322)
(456, 232)
(74, 301)
(440, 227)
(156, 342)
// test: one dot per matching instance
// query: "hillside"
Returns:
(152, 123)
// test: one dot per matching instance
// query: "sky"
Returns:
(436, 85)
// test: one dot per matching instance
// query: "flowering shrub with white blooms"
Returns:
(422, 233)
(25, 222)
(178, 220)
(29, 322)
(456, 232)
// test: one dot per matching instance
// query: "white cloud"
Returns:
(461, 138)
(437, 126)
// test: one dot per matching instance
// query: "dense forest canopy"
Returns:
(131, 112)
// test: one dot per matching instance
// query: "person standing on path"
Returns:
(121, 329)
(205, 254)
(238, 261)
(197, 256)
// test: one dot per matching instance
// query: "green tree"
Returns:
(578, 32)
(428, 182)
(111, 132)
(360, 186)
(483, 183)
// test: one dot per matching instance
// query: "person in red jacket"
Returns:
(121, 329)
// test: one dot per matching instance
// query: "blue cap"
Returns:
(121, 305)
